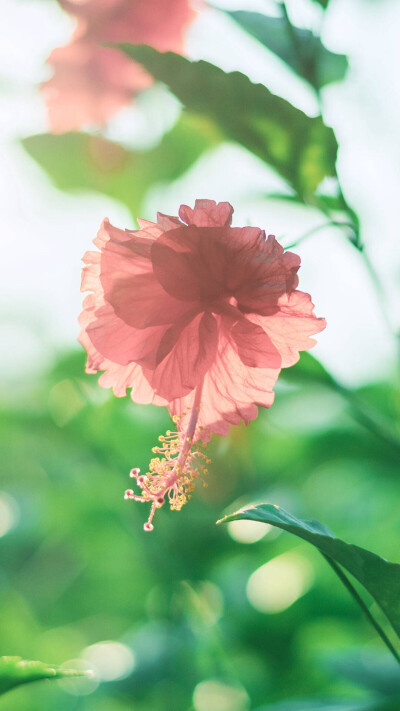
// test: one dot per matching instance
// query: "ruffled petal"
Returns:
(129, 284)
(205, 263)
(142, 302)
(167, 222)
(120, 378)
(291, 326)
(120, 342)
(231, 393)
(207, 213)
(138, 242)
(173, 333)
(187, 363)
(254, 346)
(117, 377)
(268, 274)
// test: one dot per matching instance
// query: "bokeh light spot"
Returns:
(65, 401)
(9, 513)
(111, 660)
(80, 685)
(248, 531)
(279, 583)
(216, 695)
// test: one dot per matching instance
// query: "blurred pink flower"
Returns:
(90, 83)
(196, 315)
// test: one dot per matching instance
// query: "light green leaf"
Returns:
(15, 671)
(378, 576)
(78, 161)
(299, 48)
(301, 149)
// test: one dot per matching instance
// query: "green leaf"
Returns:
(15, 671)
(301, 149)
(78, 161)
(378, 576)
(299, 48)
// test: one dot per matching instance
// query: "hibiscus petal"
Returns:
(167, 222)
(128, 281)
(187, 363)
(119, 342)
(231, 393)
(137, 242)
(269, 273)
(205, 263)
(142, 302)
(107, 232)
(173, 256)
(207, 213)
(173, 333)
(119, 377)
(291, 326)
(254, 346)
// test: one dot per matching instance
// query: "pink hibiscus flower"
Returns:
(90, 83)
(196, 315)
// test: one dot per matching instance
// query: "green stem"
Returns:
(346, 582)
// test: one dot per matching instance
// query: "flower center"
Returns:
(172, 475)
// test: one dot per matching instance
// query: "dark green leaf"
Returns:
(15, 671)
(378, 576)
(301, 149)
(77, 161)
(299, 48)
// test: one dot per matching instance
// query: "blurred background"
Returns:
(196, 617)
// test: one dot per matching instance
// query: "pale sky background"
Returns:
(45, 232)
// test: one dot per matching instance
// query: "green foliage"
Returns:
(78, 161)
(15, 671)
(301, 49)
(301, 149)
(378, 576)
(382, 425)
(78, 569)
